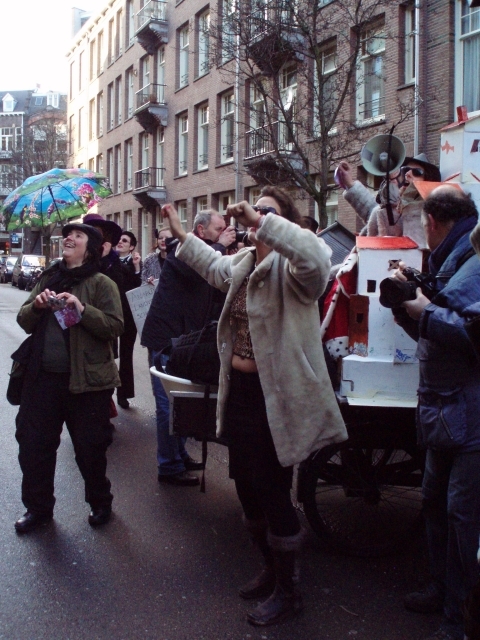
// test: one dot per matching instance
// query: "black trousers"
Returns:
(125, 368)
(45, 406)
(263, 485)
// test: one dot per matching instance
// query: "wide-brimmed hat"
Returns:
(112, 232)
(432, 172)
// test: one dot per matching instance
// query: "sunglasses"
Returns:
(265, 210)
(417, 173)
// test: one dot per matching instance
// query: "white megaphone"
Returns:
(374, 155)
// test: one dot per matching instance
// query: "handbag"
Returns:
(21, 358)
(194, 356)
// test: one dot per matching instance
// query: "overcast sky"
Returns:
(36, 34)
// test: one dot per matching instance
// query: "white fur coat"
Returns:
(282, 296)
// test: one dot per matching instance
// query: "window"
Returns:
(110, 167)
(226, 130)
(93, 59)
(202, 204)
(183, 57)
(257, 139)
(160, 154)
(100, 53)
(467, 52)
(72, 78)
(331, 203)
(117, 49)
(161, 74)
(99, 163)
(81, 67)
(288, 96)
(71, 138)
(8, 102)
(224, 199)
(253, 194)
(110, 106)
(146, 242)
(144, 151)
(111, 27)
(203, 43)
(128, 221)
(7, 138)
(410, 32)
(80, 128)
(130, 92)
(129, 163)
(228, 29)
(130, 24)
(182, 213)
(53, 99)
(118, 100)
(91, 119)
(202, 142)
(100, 114)
(371, 82)
(325, 95)
(182, 144)
(145, 71)
(117, 179)
(91, 164)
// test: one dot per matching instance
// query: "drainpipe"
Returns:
(238, 195)
(416, 125)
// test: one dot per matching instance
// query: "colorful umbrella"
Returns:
(54, 197)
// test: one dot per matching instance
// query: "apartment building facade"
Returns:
(148, 109)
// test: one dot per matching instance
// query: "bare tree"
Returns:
(311, 76)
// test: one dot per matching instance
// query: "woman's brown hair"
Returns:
(289, 210)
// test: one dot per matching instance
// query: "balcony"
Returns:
(274, 39)
(267, 149)
(6, 154)
(149, 188)
(150, 108)
(152, 26)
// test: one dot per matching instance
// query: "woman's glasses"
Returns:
(265, 210)
(416, 172)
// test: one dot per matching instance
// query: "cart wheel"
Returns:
(364, 499)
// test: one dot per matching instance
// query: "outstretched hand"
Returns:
(169, 213)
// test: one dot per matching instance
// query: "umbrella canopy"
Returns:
(54, 197)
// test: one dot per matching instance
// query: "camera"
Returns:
(240, 236)
(394, 292)
(57, 303)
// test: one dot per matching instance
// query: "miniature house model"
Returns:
(460, 153)
(382, 368)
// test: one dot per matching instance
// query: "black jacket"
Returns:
(182, 302)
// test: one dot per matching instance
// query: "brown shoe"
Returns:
(182, 479)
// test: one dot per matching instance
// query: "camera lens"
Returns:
(393, 292)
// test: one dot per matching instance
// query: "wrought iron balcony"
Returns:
(150, 189)
(151, 110)
(151, 25)
(6, 154)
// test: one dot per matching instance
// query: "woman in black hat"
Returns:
(73, 314)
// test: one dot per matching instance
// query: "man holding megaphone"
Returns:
(406, 202)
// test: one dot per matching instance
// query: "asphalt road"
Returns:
(168, 565)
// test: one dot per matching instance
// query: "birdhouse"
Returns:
(382, 367)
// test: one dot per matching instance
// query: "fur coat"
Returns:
(282, 296)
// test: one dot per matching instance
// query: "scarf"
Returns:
(59, 278)
(445, 248)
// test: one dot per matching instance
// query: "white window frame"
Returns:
(144, 150)
(409, 49)
(110, 168)
(202, 204)
(182, 213)
(328, 61)
(128, 220)
(203, 43)
(372, 48)
(111, 106)
(129, 164)
(161, 74)
(467, 31)
(183, 43)
(130, 24)
(227, 125)
(129, 81)
(161, 155)
(288, 96)
(145, 234)
(118, 101)
(253, 194)
(202, 141)
(100, 114)
(183, 144)
(118, 168)
(228, 35)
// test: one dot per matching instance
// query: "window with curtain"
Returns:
(469, 54)
(370, 78)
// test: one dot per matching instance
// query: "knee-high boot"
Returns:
(285, 601)
(262, 585)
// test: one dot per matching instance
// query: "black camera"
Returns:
(394, 292)
(240, 236)
(57, 303)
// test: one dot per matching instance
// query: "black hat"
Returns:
(94, 235)
(112, 232)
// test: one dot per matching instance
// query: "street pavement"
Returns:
(169, 564)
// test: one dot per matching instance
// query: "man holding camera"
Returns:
(448, 414)
(183, 301)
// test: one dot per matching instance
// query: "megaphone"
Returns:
(374, 155)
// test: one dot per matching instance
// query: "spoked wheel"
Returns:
(363, 497)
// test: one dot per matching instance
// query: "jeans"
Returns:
(171, 450)
(451, 499)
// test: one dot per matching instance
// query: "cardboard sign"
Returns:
(139, 300)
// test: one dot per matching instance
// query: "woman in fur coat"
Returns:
(275, 401)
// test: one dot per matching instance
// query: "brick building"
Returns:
(147, 108)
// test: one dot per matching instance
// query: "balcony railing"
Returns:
(150, 178)
(150, 94)
(371, 109)
(6, 154)
(261, 140)
(153, 10)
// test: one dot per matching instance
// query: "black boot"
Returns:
(285, 601)
(263, 584)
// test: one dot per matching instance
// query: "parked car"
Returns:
(6, 267)
(24, 268)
